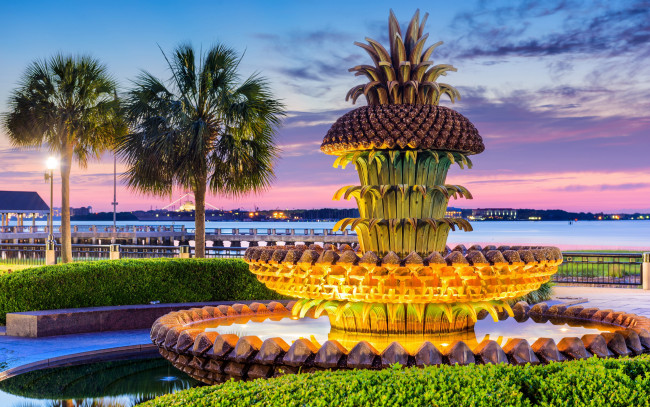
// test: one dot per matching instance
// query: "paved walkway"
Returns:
(635, 301)
(16, 351)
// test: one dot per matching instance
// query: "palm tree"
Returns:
(67, 103)
(203, 129)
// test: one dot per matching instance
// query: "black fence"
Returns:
(22, 254)
(613, 269)
(224, 252)
(27, 255)
(82, 252)
(604, 269)
(148, 252)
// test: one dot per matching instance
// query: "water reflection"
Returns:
(107, 384)
(318, 331)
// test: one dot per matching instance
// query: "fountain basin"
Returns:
(210, 344)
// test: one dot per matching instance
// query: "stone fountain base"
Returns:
(213, 358)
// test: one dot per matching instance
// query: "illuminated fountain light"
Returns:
(411, 295)
(402, 278)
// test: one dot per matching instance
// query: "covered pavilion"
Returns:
(21, 204)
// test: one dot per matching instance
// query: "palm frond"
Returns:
(64, 101)
(202, 126)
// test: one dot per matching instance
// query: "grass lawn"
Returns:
(604, 251)
(14, 267)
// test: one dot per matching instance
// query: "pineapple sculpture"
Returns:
(403, 279)
(402, 145)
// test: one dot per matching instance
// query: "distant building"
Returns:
(495, 213)
(453, 213)
(83, 211)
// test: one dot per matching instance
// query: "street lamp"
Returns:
(51, 164)
(114, 203)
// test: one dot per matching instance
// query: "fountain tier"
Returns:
(409, 296)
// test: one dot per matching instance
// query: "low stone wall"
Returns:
(214, 358)
(39, 324)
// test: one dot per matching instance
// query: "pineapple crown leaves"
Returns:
(405, 75)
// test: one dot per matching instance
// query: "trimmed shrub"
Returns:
(593, 382)
(125, 282)
(543, 293)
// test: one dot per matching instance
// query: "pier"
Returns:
(171, 235)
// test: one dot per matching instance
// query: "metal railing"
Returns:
(610, 269)
(148, 252)
(24, 229)
(83, 252)
(22, 254)
(618, 269)
(34, 254)
(224, 252)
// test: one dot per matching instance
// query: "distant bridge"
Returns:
(179, 201)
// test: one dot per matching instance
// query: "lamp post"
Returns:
(50, 255)
(114, 203)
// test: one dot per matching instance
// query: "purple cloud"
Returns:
(616, 29)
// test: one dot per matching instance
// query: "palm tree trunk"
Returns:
(66, 236)
(199, 219)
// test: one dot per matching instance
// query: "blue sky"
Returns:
(558, 89)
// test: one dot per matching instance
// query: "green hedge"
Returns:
(124, 282)
(593, 382)
(543, 293)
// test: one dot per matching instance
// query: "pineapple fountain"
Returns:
(403, 279)
(402, 295)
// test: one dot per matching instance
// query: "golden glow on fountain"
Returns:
(403, 279)
(392, 295)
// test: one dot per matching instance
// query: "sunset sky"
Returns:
(559, 90)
